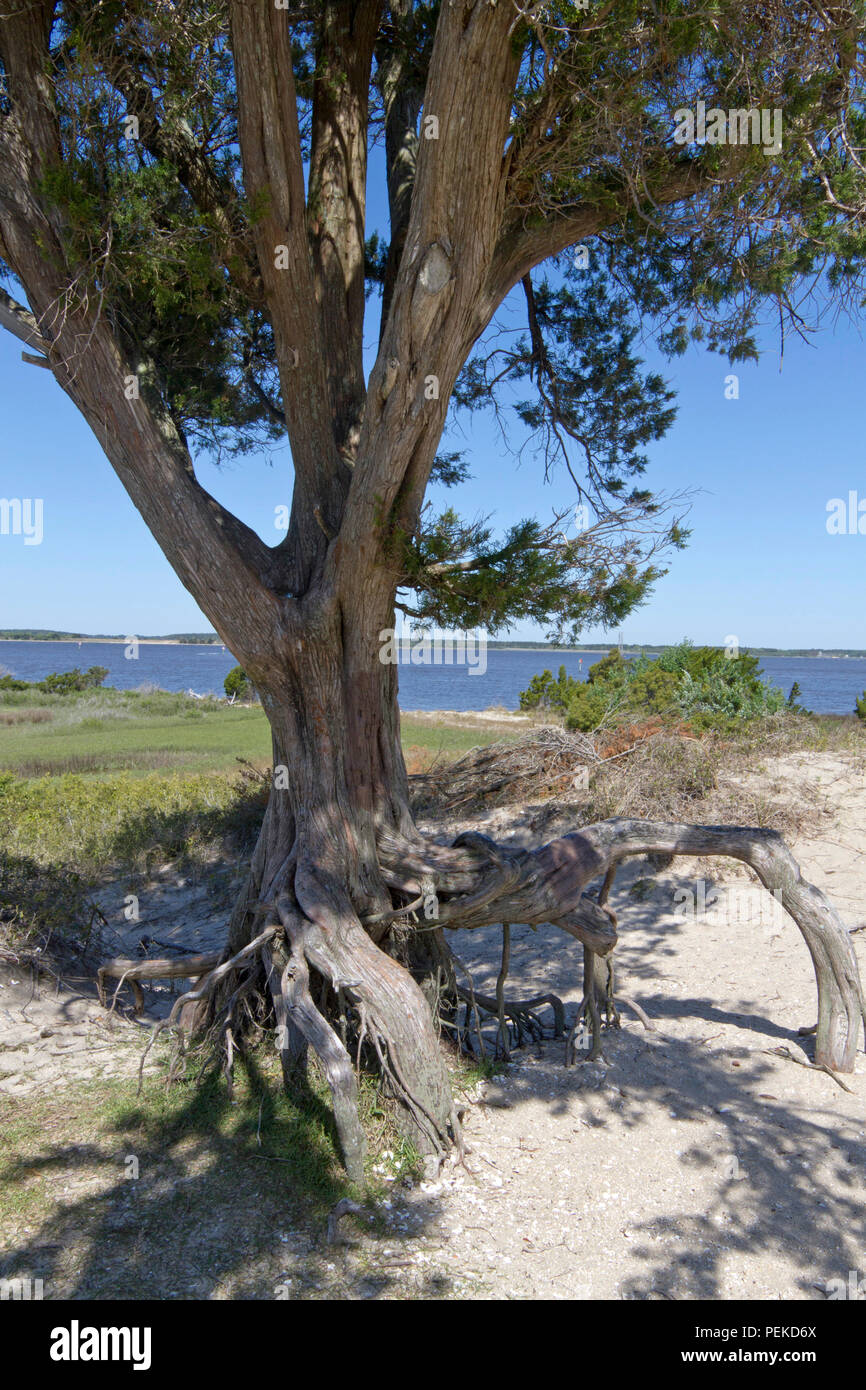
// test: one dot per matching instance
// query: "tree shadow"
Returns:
(764, 1190)
(201, 1195)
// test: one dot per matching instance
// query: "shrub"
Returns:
(71, 682)
(60, 682)
(588, 707)
(237, 684)
(543, 692)
(860, 707)
(700, 684)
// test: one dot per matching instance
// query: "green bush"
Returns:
(700, 684)
(60, 682)
(611, 672)
(588, 707)
(543, 692)
(71, 682)
(78, 823)
(237, 684)
(618, 690)
(860, 707)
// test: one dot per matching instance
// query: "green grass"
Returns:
(125, 781)
(122, 819)
(179, 1192)
(100, 735)
(106, 731)
(451, 739)
(188, 1192)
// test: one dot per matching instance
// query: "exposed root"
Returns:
(204, 991)
(345, 1207)
(522, 1013)
(502, 1033)
(589, 1011)
(472, 883)
(471, 1000)
(131, 971)
(636, 1009)
(478, 883)
(314, 1028)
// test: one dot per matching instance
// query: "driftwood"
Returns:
(547, 759)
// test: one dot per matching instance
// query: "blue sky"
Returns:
(760, 565)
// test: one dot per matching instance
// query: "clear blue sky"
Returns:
(761, 564)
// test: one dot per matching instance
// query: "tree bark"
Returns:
(338, 782)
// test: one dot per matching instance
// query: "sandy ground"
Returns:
(466, 718)
(692, 1162)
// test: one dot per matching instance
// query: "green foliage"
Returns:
(39, 898)
(699, 684)
(860, 706)
(74, 681)
(590, 387)
(589, 707)
(174, 268)
(237, 684)
(462, 577)
(83, 825)
(59, 683)
(543, 692)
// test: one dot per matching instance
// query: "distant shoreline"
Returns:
(176, 642)
(791, 653)
(110, 641)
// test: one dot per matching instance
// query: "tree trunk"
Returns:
(338, 780)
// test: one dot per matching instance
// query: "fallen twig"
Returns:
(810, 1066)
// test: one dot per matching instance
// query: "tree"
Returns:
(237, 685)
(182, 206)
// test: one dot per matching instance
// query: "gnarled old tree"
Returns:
(183, 186)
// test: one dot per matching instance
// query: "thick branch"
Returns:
(274, 178)
(403, 99)
(438, 307)
(525, 243)
(220, 560)
(19, 321)
(337, 200)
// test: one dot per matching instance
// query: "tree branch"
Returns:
(438, 306)
(274, 178)
(174, 143)
(403, 98)
(20, 322)
(337, 199)
(220, 560)
(522, 246)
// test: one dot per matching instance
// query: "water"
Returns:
(828, 685)
(202, 669)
